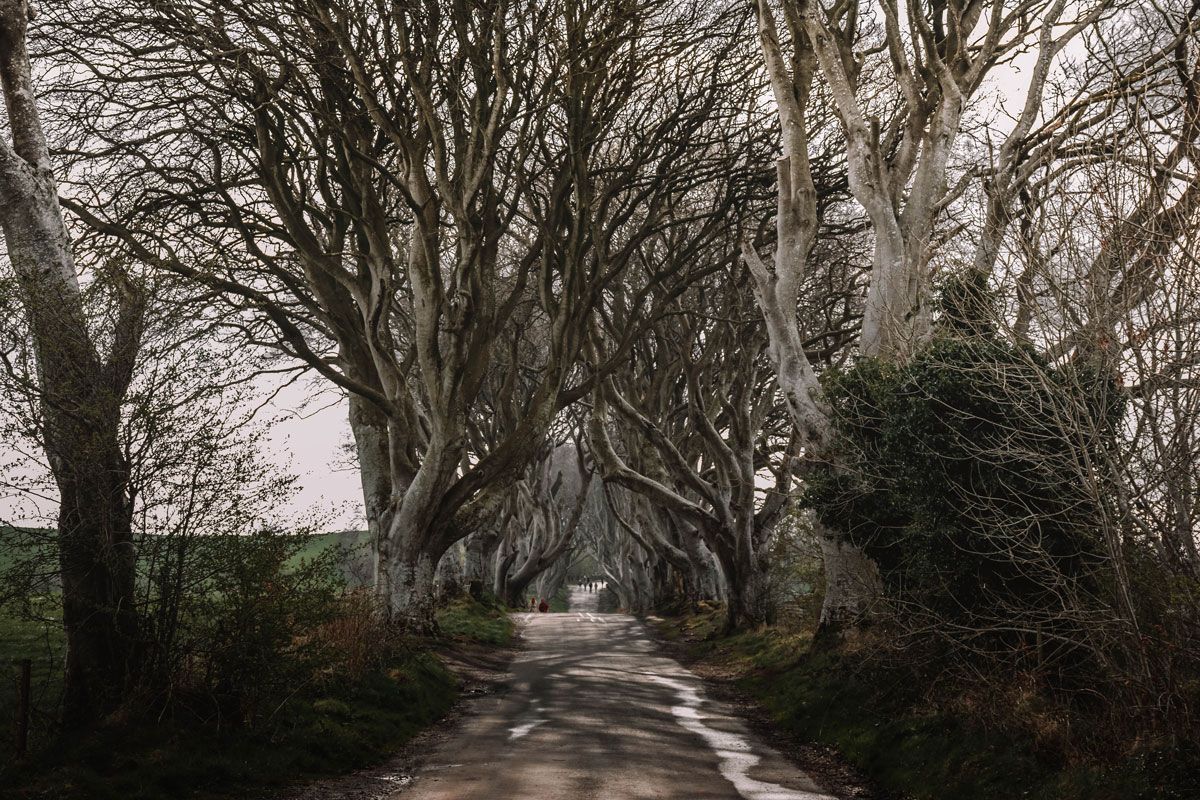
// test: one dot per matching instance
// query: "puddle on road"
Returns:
(734, 750)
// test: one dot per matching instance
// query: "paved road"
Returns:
(594, 711)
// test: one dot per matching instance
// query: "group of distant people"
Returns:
(543, 605)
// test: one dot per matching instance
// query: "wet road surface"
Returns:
(593, 710)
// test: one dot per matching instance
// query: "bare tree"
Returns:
(549, 506)
(705, 424)
(384, 192)
(81, 387)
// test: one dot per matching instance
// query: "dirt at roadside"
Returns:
(825, 764)
(482, 670)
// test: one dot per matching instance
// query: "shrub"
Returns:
(960, 477)
(238, 630)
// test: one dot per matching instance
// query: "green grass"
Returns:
(485, 622)
(875, 718)
(43, 643)
(318, 543)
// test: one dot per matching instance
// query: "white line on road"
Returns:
(732, 749)
(523, 729)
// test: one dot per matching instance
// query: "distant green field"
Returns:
(22, 547)
(323, 541)
(356, 565)
(19, 546)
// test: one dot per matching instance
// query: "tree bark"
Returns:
(749, 590)
(480, 547)
(852, 582)
(80, 395)
(97, 563)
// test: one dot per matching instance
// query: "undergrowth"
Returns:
(889, 724)
(329, 725)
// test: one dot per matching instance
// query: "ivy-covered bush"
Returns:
(968, 474)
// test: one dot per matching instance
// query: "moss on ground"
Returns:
(876, 718)
(485, 621)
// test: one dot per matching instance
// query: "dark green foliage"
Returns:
(236, 632)
(960, 474)
(278, 676)
(324, 729)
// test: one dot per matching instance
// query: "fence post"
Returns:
(23, 703)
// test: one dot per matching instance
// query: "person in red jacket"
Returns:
(543, 606)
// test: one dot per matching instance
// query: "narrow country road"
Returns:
(593, 711)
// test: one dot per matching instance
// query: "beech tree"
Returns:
(549, 504)
(704, 423)
(899, 81)
(82, 380)
(382, 190)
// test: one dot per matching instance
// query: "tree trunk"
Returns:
(409, 548)
(97, 560)
(749, 602)
(450, 571)
(852, 582)
(369, 427)
(515, 586)
(80, 394)
(406, 583)
(480, 547)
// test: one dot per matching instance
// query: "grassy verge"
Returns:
(43, 643)
(877, 718)
(337, 728)
(485, 621)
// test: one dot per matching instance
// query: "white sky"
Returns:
(309, 443)
(306, 442)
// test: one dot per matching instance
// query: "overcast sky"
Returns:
(307, 442)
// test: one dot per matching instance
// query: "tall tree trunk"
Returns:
(80, 395)
(450, 571)
(518, 582)
(369, 426)
(504, 561)
(749, 600)
(480, 547)
(408, 594)
(852, 582)
(97, 562)
(408, 550)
